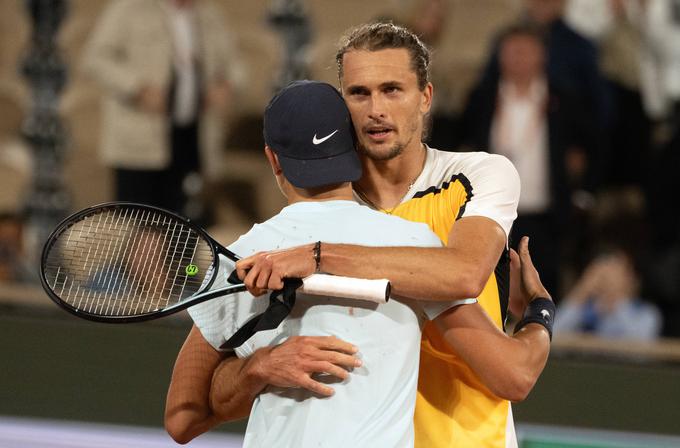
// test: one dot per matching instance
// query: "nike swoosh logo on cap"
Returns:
(318, 141)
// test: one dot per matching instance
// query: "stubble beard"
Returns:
(393, 152)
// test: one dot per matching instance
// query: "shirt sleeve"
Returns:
(495, 191)
(432, 310)
(219, 318)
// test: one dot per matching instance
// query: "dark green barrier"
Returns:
(57, 366)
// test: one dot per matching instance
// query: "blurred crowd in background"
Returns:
(164, 102)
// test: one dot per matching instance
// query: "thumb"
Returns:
(523, 249)
(514, 258)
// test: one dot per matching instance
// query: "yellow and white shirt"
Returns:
(453, 407)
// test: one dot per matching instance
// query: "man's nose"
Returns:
(378, 108)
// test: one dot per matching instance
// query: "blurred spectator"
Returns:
(640, 56)
(572, 66)
(428, 20)
(543, 131)
(15, 173)
(661, 58)
(605, 302)
(10, 237)
(621, 49)
(167, 69)
(14, 266)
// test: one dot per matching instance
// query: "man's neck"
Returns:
(341, 192)
(385, 182)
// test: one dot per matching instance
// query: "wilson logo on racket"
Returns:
(191, 270)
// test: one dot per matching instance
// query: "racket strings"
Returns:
(127, 261)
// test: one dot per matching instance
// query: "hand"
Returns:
(266, 270)
(617, 281)
(152, 99)
(292, 363)
(591, 282)
(525, 282)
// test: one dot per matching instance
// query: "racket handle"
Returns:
(377, 291)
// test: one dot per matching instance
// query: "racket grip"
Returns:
(377, 291)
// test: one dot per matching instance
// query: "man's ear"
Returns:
(426, 101)
(273, 161)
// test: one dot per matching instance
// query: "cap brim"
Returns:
(313, 173)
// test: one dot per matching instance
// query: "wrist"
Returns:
(256, 370)
(541, 310)
(316, 254)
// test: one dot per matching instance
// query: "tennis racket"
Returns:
(128, 262)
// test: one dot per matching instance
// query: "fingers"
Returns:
(530, 277)
(326, 348)
(518, 296)
(295, 361)
(259, 273)
(523, 249)
(329, 368)
(251, 281)
(514, 259)
(244, 265)
(316, 387)
(333, 343)
(340, 359)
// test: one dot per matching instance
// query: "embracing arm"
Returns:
(200, 368)
(508, 366)
(458, 271)
(208, 388)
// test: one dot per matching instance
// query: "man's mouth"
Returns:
(379, 132)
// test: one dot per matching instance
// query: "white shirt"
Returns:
(519, 131)
(374, 406)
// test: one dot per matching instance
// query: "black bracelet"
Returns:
(317, 255)
(539, 311)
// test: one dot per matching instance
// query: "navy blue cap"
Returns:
(308, 126)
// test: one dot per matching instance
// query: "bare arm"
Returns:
(508, 366)
(457, 271)
(208, 388)
(187, 407)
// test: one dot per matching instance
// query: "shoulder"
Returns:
(578, 41)
(492, 184)
(259, 238)
(475, 165)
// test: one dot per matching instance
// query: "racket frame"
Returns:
(197, 298)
